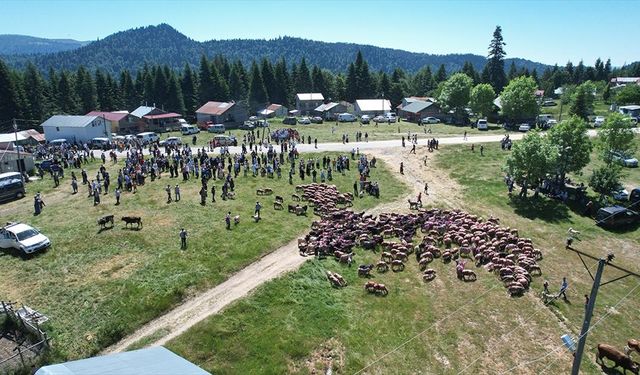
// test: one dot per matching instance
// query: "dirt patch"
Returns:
(329, 358)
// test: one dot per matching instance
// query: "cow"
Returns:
(618, 357)
(132, 220)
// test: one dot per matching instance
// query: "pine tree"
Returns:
(67, 98)
(495, 61)
(86, 90)
(9, 98)
(139, 85)
(257, 92)
(441, 75)
(283, 84)
(607, 69)
(52, 92)
(423, 82)
(599, 66)
(160, 88)
(318, 82)
(384, 85)
(303, 77)
(470, 71)
(578, 74)
(206, 89)
(513, 72)
(35, 93)
(268, 77)
(220, 89)
(175, 101)
(189, 88)
(238, 89)
(351, 84)
(130, 98)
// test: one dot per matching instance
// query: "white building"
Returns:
(307, 102)
(76, 129)
(372, 107)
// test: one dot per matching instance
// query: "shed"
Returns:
(417, 110)
(372, 107)
(75, 129)
(278, 110)
(227, 113)
(9, 162)
(151, 361)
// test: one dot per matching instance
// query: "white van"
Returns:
(189, 129)
(216, 128)
(346, 117)
(99, 143)
(147, 137)
(482, 124)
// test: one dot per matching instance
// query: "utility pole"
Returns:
(15, 130)
(575, 369)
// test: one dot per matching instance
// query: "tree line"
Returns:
(33, 94)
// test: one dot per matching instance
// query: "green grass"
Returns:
(287, 324)
(96, 287)
(323, 132)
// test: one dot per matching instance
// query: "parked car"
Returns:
(290, 120)
(171, 141)
(482, 124)
(346, 117)
(524, 127)
(189, 129)
(216, 128)
(247, 125)
(616, 217)
(379, 119)
(23, 238)
(551, 123)
(620, 194)
(99, 143)
(365, 119)
(224, 140)
(304, 121)
(317, 120)
(59, 142)
(624, 160)
(11, 186)
(390, 117)
(147, 137)
(549, 103)
(599, 120)
(429, 120)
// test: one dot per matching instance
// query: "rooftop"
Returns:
(310, 96)
(163, 115)
(417, 106)
(69, 121)
(142, 110)
(111, 116)
(374, 105)
(215, 108)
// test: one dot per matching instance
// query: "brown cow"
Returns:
(618, 357)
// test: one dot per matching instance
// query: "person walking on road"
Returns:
(257, 211)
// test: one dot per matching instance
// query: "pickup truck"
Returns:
(23, 238)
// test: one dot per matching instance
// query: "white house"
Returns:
(78, 129)
(307, 102)
(372, 107)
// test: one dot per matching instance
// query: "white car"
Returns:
(23, 238)
(390, 117)
(429, 120)
(482, 124)
(524, 128)
(379, 119)
(171, 141)
(365, 119)
(304, 121)
(598, 121)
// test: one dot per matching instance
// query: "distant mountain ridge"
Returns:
(162, 44)
(11, 44)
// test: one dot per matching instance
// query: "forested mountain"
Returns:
(163, 44)
(25, 45)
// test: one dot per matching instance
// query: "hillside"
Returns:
(23, 44)
(163, 44)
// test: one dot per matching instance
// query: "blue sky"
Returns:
(547, 31)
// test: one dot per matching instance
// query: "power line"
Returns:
(448, 316)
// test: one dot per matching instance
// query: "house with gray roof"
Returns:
(308, 101)
(417, 110)
(76, 129)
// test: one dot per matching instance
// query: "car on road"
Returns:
(616, 217)
(317, 120)
(429, 120)
(365, 119)
(599, 120)
(524, 128)
(290, 120)
(482, 124)
(23, 238)
(171, 141)
(624, 160)
(304, 121)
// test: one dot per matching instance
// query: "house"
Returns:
(9, 161)
(227, 113)
(631, 110)
(75, 129)
(150, 361)
(274, 110)
(154, 119)
(623, 81)
(372, 107)
(121, 122)
(33, 136)
(331, 110)
(307, 102)
(420, 109)
(9, 141)
(406, 101)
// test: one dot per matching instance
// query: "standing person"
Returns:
(315, 142)
(117, 196)
(257, 211)
(96, 197)
(481, 150)
(420, 198)
(227, 220)
(168, 190)
(403, 141)
(213, 193)
(413, 149)
(563, 289)
(426, 188)
(177, 192)
(401, 168)
(74, 186)
(203, 196)
(84, 177)
(183, 239)
(465, 135)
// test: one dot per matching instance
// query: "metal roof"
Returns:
(417, 106)
(274, 107)
(152, 361)
(632, 107)
(215, 108)
(69, 121)
(326, 107)
(111, 116)
(373, 104)
(310, 96)
(142, 110)
(11, 137)
(163, 115)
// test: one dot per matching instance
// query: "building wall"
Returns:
(98, 128)
(307, 106)
(431, 111)
(9, 162)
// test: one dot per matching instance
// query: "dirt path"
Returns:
(183, 317)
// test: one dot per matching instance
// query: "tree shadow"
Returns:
(549, 210)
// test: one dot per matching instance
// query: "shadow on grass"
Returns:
(623, 229)
(612, 371)
(540, 208)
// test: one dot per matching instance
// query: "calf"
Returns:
(104, 220)
(132, 220)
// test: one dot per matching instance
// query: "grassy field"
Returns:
(97, 286)
(299, 324)
(332, 132)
